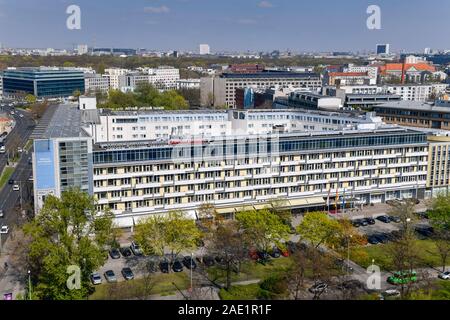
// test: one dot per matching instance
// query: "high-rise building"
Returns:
(383, 48)
(205, 49)
(82, 49)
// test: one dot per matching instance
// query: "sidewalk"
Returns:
(9, 282)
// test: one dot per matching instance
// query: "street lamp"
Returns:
(29, 285)
(348, 254)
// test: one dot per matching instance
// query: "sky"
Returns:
(227, 25)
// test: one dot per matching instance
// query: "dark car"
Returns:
(373, 239)
(164, 266)
(382, 238)
(263, 256)
(208, 261)
(395, 219)
(363, 222)
(126, 252)
(219, 260)
(425, 232)
(11, 181)
(177, 266)
(370, 221)
(396, 234)
(127, 273)
(291, 247)
(151, 267)
(422, 215)
(318, 288)
(356, 223)
(189, 263)
(275, 253)
(114, 253)
(384, 219)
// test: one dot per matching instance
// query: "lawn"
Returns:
(251, 270)
(6, 175)
(363, 256)
(245, 292)
(162, 284)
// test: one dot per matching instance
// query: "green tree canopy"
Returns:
(262, 228)
(67, 232)
(318, 229)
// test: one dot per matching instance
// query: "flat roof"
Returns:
(65, 123)
(413, 105)
(270, 74)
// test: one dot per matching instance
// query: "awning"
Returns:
(245, 208)
(225, 210)
(316, 201)
(262, 206)
(123, 222)
(298, 202)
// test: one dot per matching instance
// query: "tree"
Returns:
(173, 231)
(67, 232)
(439, 216)
(30, 98)
(76, 93)
(228, 243)
(262, 228)
(296, 275)
(282, 210)
(319, 229)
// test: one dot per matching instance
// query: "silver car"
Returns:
(110, 276)
(96, 279)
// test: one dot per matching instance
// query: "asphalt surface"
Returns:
(10, 201)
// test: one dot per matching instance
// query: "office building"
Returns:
(205, 49)
(221, 91)
(188, 84)
(417, 92)
(43, 82)
(347, 78)
(82, 49)
(230, 159)
(96, 83)
(383, 49)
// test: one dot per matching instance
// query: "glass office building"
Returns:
(43, 82)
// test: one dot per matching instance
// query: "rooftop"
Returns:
(414, 105)
(65, 123)
(270, 74)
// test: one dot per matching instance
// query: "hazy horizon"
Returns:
(233, 25)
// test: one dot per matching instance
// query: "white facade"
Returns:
(371, 71)
(188, 84)
(417, 92)
(82, 49)
(205, 49)
(96, 83)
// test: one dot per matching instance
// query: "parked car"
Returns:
(127, 273)
(96, 279)
(126, 252)
(164, 266)
(390, 293)
(114, 253)
(284, 252)
(444, 275)
(422, 215)
(396, 234)
(356, 223)
(424, 232)
(275, 252)
(189, 263)
(263, 256)
(110, 276)
(370, 221)
(384, 219)
(382, 238)
(363, 222)
(318, 288)
(292, 247)
(253, 254)
(136, 249)
(350, 285)
(395, 219)
(208, 261)
(4, 230)
(177, 266)
(373, 239)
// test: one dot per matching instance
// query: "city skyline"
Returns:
(180, 25)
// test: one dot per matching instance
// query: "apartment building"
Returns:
(188, 84)
(96, 83)
(362, 159)
(221, 91)
(371, 71)
(417, 92)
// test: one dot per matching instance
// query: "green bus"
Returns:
(402, 277)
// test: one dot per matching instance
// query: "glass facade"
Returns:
(74, 165)
(42, 82)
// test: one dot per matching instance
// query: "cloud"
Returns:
(161, 9)
(265, 4)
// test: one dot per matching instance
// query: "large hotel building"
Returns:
(139, 163)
